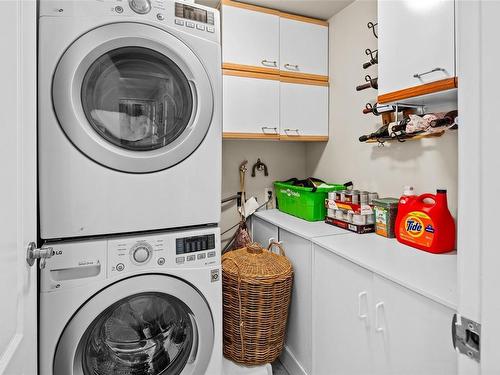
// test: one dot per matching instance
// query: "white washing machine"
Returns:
(129, 116)
(133, 305)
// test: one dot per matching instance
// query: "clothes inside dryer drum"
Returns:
(137, 98)
(145, 334)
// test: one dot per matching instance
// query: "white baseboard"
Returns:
(291, 364)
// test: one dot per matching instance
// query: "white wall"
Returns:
(283, 159)
(426, 164)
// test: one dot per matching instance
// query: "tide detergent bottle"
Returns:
(425, 222)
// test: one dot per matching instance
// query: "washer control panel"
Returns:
(187, 249)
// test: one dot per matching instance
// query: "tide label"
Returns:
(417, 227)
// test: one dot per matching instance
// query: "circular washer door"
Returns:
(132, 97)
(148, 324)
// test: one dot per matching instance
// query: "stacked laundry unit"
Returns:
(129, 187)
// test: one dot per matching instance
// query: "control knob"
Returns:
(140, 6)
(141, 253)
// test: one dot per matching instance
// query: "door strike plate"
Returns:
(466, 336)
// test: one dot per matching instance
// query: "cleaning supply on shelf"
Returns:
(386, 210)
(425, 222)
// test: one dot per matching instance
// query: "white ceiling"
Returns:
(322, 9)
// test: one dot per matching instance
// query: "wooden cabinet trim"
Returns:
(302, 81)
(255, 8)
(305, 76)
(296, 17)
(304, 138)
(427, 88)
(275, 12)
(231, 135)
(250, 68)
(239, 73)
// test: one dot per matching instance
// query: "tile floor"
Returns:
(278, 369)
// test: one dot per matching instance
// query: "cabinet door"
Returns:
(251, 105)
(299, 335)
(303, 109)
(263, 232)
(415, 37)
(303, 47)
(341, 322)
(250, 38)
(412, 333)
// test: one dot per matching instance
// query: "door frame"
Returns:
(479, 180)
(20, 354)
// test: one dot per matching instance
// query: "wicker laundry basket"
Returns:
(257, 285)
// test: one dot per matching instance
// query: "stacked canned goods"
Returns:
(350, 198)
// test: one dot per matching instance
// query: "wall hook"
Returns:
(371, 26)
(260, 166)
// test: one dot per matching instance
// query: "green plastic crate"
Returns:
(302, 201)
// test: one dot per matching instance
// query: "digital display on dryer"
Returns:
(193, 13)
(193, 244)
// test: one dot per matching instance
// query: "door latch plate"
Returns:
(466, 336)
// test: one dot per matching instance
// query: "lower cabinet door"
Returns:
(412, 333)
(298, 352)
(263, 232)
(342, 322)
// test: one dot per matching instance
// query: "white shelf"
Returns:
(302, 228)
(432, 275)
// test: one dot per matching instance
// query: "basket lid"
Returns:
(254, 261)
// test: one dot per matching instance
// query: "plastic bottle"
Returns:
(426, 225)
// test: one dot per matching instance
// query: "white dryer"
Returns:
(129, 116)
(133, 305)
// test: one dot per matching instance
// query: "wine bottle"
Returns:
(370, 83)
(372, 61)
(397, 129)
(447, 120)
(381, 132)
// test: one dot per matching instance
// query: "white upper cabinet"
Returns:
(303, 109)
(303, 47)
(250, 38)
(251, 106)
(416, 43)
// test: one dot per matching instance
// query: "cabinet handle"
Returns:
(291, 66)
(378, 306)
(419, 75)
(269, 63)
(287, 130)
(361, 296)
(264, 128)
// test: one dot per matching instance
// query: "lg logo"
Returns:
(56, 252)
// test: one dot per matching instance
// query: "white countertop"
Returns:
(300, 227)
(432, 275)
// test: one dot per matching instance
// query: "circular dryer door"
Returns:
(132, 97)
(144, 325)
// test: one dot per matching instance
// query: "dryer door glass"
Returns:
(137, 98)
(144, 334)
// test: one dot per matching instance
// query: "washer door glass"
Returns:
(144, 325)
(137, 98)
(149, 333)
(133, 97)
